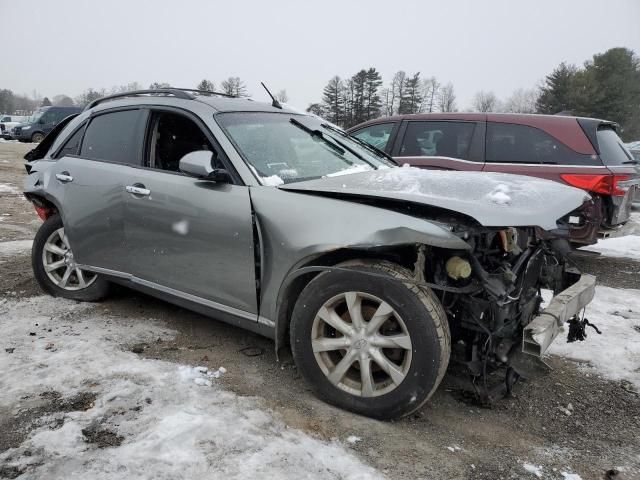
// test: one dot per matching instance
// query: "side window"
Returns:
(48, 117)
(437, 139)
(376, 135)
(172, 136)
(512, 143)
(113, 137)
(72, 145)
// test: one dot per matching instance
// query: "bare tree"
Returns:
(62, 101)
(430, 87)
(446, 98)
(485, 102)
(395, 92)
(282, 96)
(234, 86)
(522, 101)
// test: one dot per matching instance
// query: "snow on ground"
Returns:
(171, 423)
(616, 353)
(625, 247)
(8, 188)
(15, 247)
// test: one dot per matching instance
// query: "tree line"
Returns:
(606, 86)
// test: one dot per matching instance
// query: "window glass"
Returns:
(113, 137)
(174, 136)
(284, 148)
(72, 146)
(612, 150)
(511, 143)
(437, 139)
(49, 117)
(376, 135)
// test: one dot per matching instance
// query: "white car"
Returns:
(8, 122)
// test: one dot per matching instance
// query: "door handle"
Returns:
(64, 177)
(138, 190)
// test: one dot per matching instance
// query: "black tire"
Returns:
(37, 137)
(425, 322)
(94, 292)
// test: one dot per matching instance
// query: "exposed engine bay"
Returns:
(497, 292)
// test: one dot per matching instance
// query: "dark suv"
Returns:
(42, 122)
(583, 152)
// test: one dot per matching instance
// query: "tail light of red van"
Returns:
(604, 184)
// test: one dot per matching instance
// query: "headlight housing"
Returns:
(26, 127)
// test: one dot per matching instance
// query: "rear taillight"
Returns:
(605, 184)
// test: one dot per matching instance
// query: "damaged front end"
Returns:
(499, 321)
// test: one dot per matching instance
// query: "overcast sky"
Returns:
(67, 46)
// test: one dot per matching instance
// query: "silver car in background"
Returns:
(280, 223)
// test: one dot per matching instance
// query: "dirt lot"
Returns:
(450, 438)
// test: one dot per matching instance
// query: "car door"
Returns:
(440, 144)
(189, 236)
(88, 181)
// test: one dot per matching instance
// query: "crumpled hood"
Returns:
(493, 199)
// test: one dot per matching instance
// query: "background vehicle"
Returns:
(582, 152)
(38, 125)
(279, 223)
(8, 122)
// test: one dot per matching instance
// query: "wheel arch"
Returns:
(303, 273)
(44, 205)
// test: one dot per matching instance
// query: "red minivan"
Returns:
(583, 152)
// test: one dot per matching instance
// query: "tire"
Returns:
(79, 285)
(416, 313)
(37, 137)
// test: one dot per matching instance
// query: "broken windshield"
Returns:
(282, 148)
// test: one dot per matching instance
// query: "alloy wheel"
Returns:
(60, 265)
(361, 344)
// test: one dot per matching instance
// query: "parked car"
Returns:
(7, 123)
(38, 125)
(279, 223)
(583, 152)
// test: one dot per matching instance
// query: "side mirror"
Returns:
(198, 164)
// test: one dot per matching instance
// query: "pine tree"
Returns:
(373, 103)
(206, 85)
(411, 99)
(46, 102)
(558, 94)
(333, 100)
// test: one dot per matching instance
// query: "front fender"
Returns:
(295, 227)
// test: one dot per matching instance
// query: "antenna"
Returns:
(275, 102)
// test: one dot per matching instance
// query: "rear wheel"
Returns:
(37, 137)
(370, 344)
(55, 268)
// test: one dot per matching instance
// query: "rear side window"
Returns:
(376, 135)
(612, 150)
(512, 143)
(72, 146)
(114, 137)
(437, 139)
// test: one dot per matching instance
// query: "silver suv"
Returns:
(280, 223)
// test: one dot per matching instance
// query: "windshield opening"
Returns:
(284, 148)
(34, 117)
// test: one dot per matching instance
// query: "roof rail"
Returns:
(182, 93)
(178, 93)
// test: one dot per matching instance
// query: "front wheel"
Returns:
(37, 137)
(55, 268)
(369, 344)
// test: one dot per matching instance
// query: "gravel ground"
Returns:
(450, 438)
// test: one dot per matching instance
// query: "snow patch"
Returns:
(171, 423)
(537, 471)
(181, 227)
(616, 353)
(619, 247)
(500, 194)
(353, 169)
(15, 247)
(272, 181)
(8, 188)
(353, 439)
(570, 476)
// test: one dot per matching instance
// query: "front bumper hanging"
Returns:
(544, 328)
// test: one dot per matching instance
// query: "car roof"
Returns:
(182, 97)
